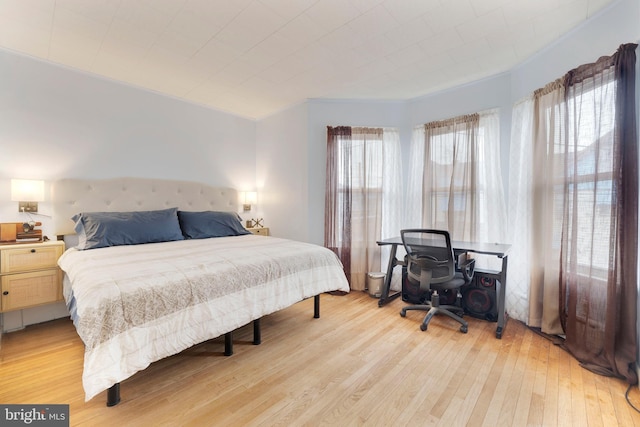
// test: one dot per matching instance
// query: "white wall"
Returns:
(291, 153)
(55, 122)
(485, 94)
(282, 165)
(617, 24)
(341, 113)
(58, 123)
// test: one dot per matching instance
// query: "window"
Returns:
(363, 189)
(455, 182)
(453, 194)
(585, 177)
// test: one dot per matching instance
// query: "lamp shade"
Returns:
(27, 190)
(249, 197)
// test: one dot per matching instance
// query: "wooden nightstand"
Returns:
(29, 274)
(262, 231)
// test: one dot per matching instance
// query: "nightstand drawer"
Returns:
(262, 231)
(29, 258)
(30, 289)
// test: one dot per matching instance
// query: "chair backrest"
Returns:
(429, 250)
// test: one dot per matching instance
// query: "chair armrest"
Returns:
(467, 267)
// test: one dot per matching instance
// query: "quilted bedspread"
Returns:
(133, 305)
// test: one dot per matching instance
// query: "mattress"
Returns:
(136, 304)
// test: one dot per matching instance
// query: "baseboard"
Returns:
(19, 319)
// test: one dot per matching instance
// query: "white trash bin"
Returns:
(375, 281)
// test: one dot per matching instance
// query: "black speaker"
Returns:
(479, 297)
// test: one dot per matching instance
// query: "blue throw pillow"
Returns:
(102, 229)
(202, 225)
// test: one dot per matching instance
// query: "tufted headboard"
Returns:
(71, 196)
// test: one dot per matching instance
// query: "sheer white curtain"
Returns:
(538, 127)
(392, 197)
(520, 232)
(574, 212)
(455, 180)
(364, 191)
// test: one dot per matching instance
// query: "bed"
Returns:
(144, 293)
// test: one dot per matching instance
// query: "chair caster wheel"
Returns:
(423, 327)
(464, 329)
(403, 313)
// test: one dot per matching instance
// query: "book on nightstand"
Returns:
(29, 236)
(16, 232)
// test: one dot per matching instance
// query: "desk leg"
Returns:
(385, 297)
(501, 297)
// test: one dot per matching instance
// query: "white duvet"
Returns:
(133, 305)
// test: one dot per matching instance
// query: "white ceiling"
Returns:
(256, 57)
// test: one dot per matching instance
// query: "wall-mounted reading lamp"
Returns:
(248, 198)
(27, 192)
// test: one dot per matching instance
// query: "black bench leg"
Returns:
(228, 344)
(316, 307)
(113, 395)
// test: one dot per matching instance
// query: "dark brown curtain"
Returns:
(599, 247)
(359, 182)
(337, 211)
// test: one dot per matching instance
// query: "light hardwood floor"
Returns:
(356, 365)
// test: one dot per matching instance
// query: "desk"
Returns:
(496, 249)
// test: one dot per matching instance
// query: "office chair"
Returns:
(430, 276)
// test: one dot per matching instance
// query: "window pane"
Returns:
(584, 171)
